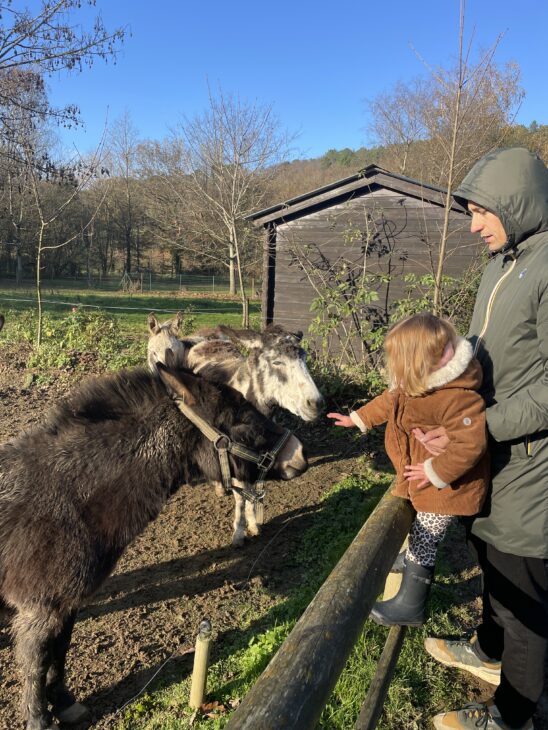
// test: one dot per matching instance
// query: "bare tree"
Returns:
(397, 122)
(229, 153)
(33, 44)
(122, 147)
(69, 180)
(44, 41)
(471, 110)
(447, 122)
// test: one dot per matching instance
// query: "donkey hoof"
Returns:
(238, 540)
(41, 724)
(74, 714)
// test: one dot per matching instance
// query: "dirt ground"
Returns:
(179, 571)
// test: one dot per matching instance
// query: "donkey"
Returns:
(268, 368)
(76, 490)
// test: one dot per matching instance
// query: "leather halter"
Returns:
(224, 445)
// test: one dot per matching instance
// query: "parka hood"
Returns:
(462, 371)
(513, 184)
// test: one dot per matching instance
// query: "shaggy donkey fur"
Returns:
(268, 368)
(75, 491)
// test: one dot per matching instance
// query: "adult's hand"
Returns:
(341, 420)
(435, 441)
(416, 473)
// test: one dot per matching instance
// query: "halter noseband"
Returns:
(224, 445)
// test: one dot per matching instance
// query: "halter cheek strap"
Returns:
(224, 445)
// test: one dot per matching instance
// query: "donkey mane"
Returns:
(108, 398)
(215, 360)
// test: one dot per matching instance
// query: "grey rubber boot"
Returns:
(407, 608)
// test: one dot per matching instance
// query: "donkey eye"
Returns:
(278, 362)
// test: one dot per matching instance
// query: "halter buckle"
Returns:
(218, 447)
(266, 461)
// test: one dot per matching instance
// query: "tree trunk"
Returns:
(39, 286)
(232, 268)
(438, 280)
(128, 251)
(18, 266)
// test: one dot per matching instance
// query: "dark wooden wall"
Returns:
(404, 233)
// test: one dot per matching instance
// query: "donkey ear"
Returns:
(153, 324)
(177, 322)
(180, 382)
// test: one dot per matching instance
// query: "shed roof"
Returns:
(368, 178)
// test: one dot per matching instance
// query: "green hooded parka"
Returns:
(509, 332)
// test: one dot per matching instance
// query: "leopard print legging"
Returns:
(427, 531)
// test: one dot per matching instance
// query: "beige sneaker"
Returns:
(474, 716)
(461, 655)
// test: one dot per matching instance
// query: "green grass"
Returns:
(130, 309)
(111, 328)
(420, 687)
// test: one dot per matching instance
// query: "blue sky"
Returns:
(315, 62)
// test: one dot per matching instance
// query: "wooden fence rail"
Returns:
(293, 689)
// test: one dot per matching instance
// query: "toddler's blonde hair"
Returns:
(413, 348)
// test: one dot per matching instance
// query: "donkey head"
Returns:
(163, 337)
(227, 411)
(277, 364)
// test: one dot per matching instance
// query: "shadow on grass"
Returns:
(315, 540)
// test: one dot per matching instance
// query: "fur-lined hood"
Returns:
(462, 371)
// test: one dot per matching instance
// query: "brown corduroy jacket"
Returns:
(460, 476)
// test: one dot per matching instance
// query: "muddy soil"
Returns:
(180, 570)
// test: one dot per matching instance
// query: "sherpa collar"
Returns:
(455, 367)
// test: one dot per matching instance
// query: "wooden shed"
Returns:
(375, 221)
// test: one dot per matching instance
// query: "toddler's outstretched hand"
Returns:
(341, 420)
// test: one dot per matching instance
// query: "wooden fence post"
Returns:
(201, 659)
(295, 686)
(374, 700)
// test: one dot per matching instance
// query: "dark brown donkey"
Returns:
(75, 491)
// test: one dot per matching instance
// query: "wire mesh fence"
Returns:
(144, 281)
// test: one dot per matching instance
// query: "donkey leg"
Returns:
(65, 707)
(219, 489)
(251, 518)
(239, 520)
(35, 629)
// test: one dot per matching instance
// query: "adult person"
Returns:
(507, 195)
